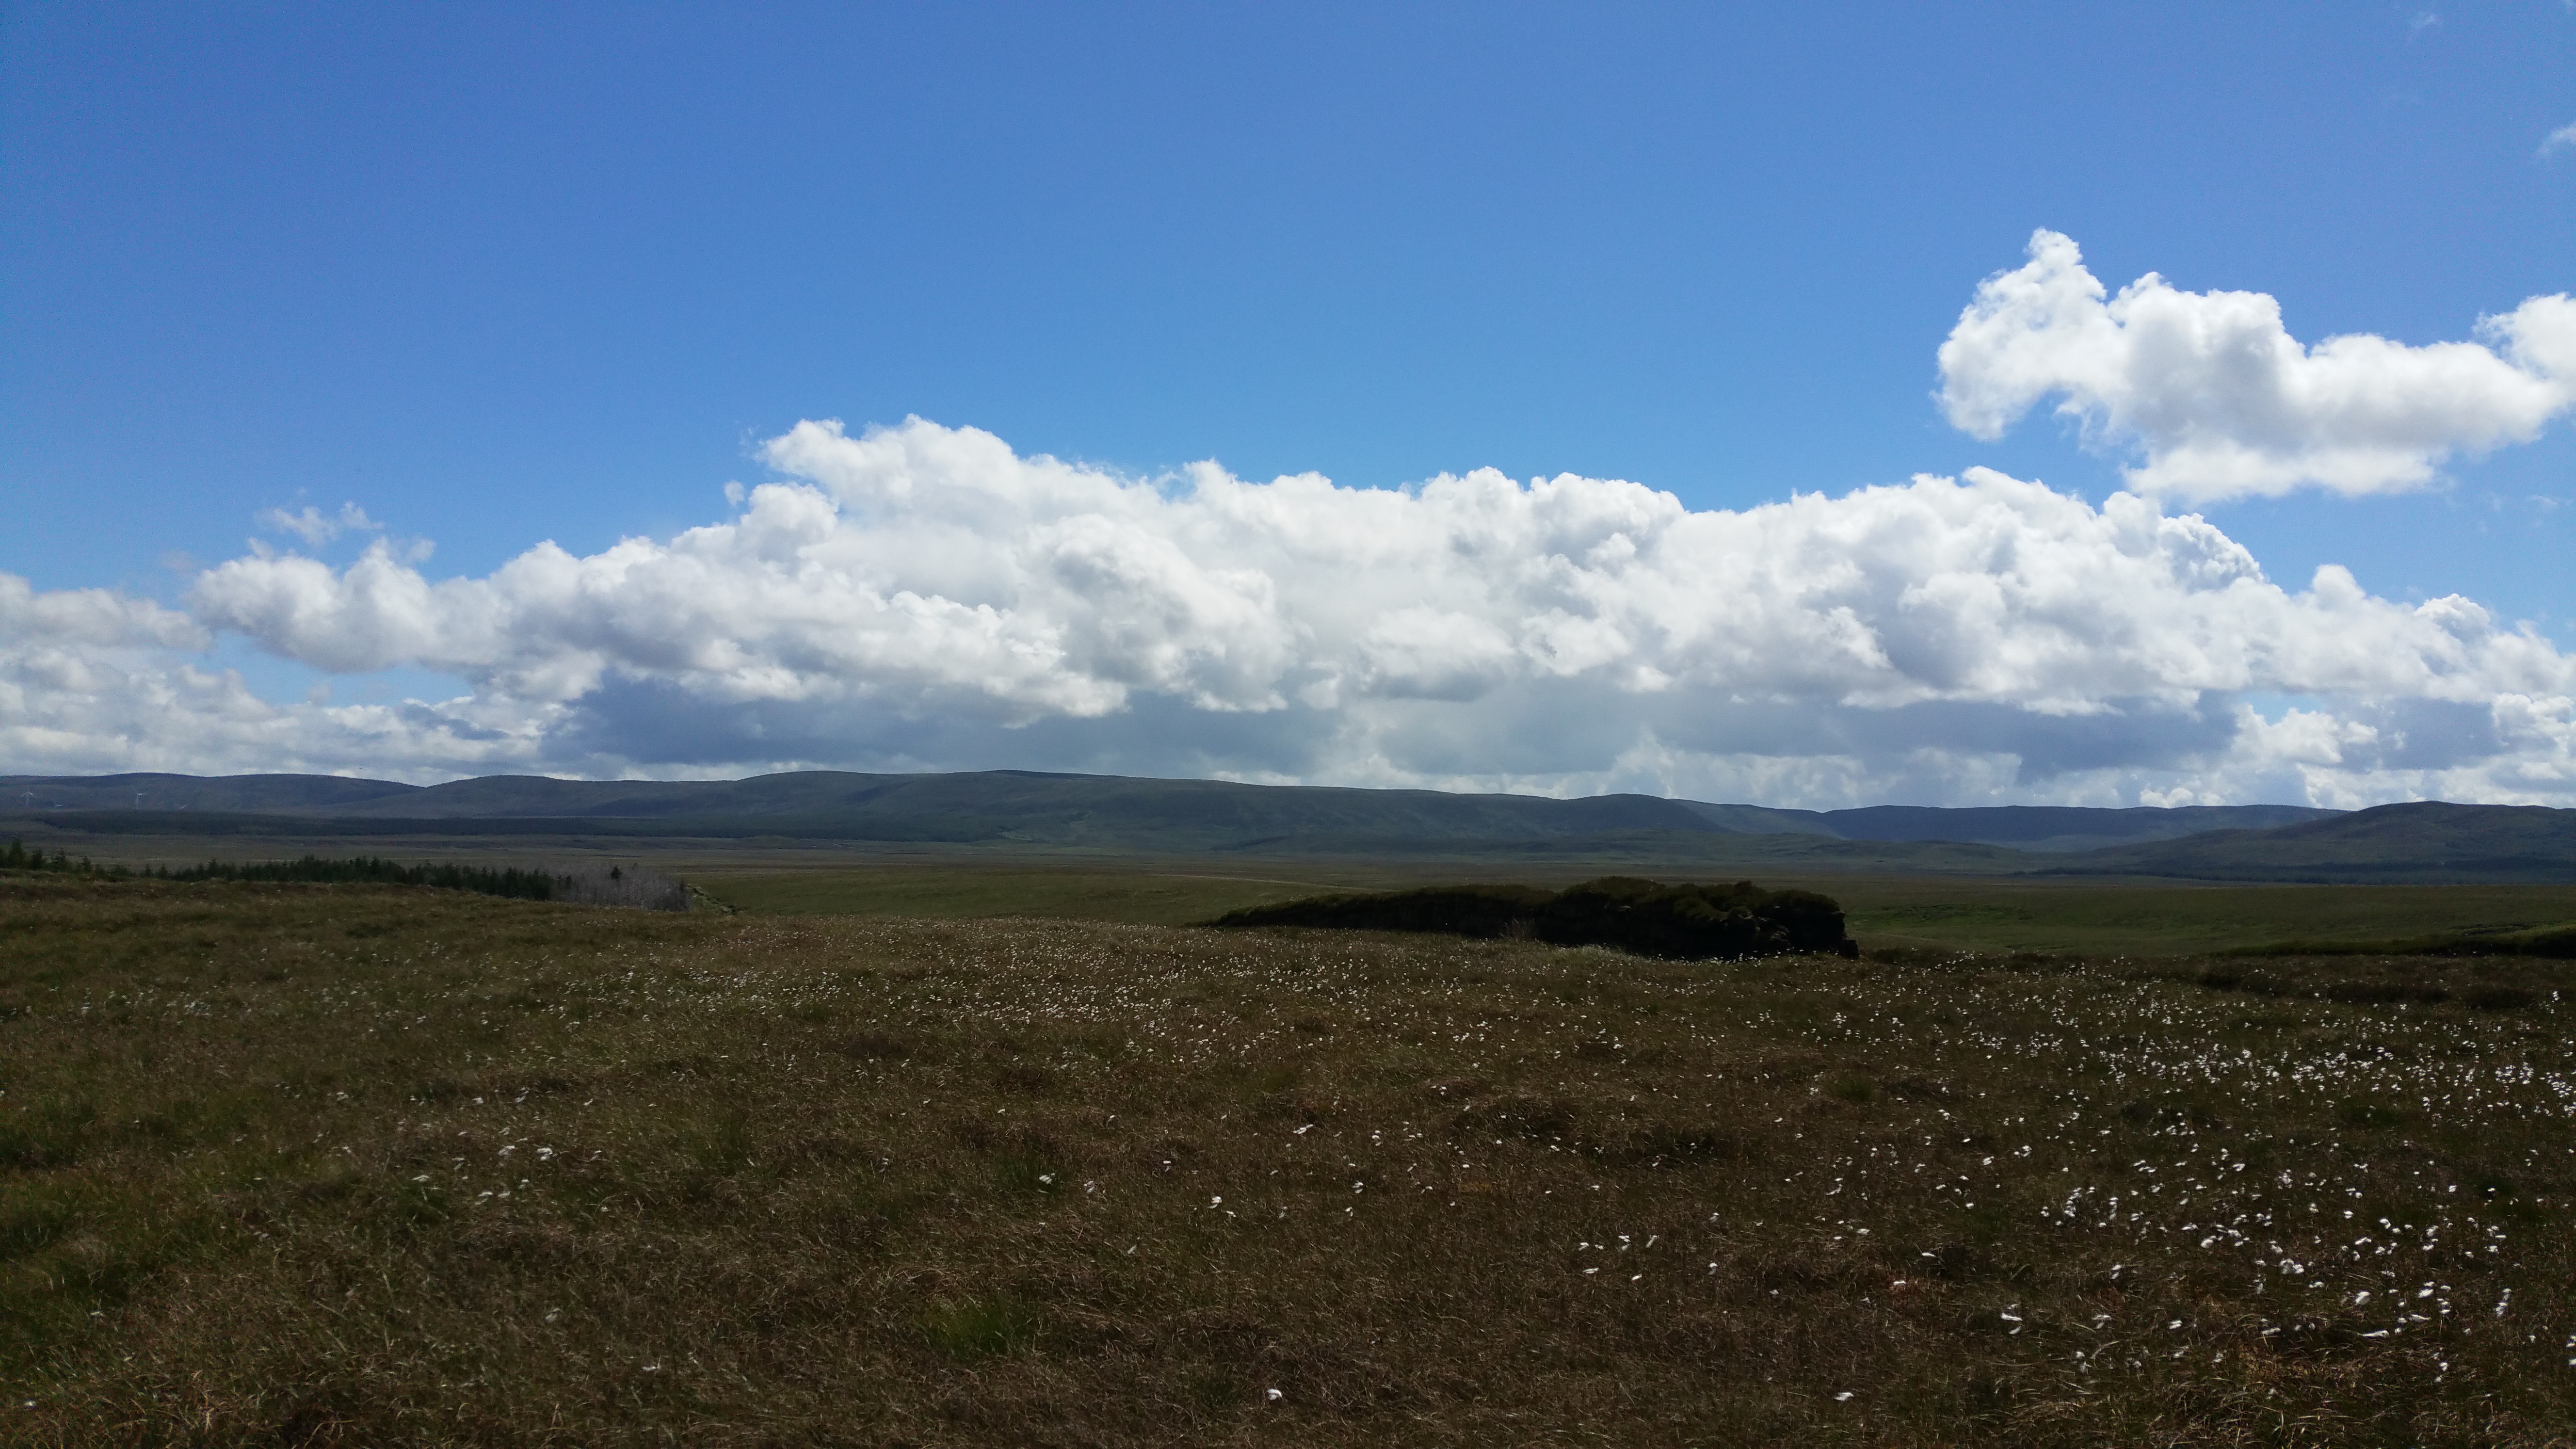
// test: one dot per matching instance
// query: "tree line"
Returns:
(615, 886)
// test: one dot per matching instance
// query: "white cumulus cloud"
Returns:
(2224, 402)
(923, 595)
(93, 681)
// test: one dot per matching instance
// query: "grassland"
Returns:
(1142, 893)
(2160, 918)
(1978, 913)
(1888, 907)
(355, 1165)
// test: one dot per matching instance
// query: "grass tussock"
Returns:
(355, 1165)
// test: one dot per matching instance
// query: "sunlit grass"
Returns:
(387, 1166)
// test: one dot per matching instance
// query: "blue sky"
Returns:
(504, 275)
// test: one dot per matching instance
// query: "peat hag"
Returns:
(1642, 917)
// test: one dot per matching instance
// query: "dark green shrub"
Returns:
(1646, 918)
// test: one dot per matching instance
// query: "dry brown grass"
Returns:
(334, 1165)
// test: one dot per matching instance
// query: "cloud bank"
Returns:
(2224, 403)
(925, 597)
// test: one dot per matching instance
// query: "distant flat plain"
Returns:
(1978, 913)
(1970, 911)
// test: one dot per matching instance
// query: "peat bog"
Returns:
(373, 1165)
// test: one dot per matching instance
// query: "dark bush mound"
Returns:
(1683, 922)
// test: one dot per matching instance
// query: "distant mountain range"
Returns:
(1110, 813)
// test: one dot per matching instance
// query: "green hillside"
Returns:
(2427, 842)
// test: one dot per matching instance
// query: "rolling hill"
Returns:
(2427, 842)
(2420, 843)
(1105, 811)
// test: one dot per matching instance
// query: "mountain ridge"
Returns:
(2426, 842)
(1063, 802)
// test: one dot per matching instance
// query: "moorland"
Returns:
(935, 1143)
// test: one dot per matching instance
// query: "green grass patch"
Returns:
(980, 1327)
(1136, 895)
